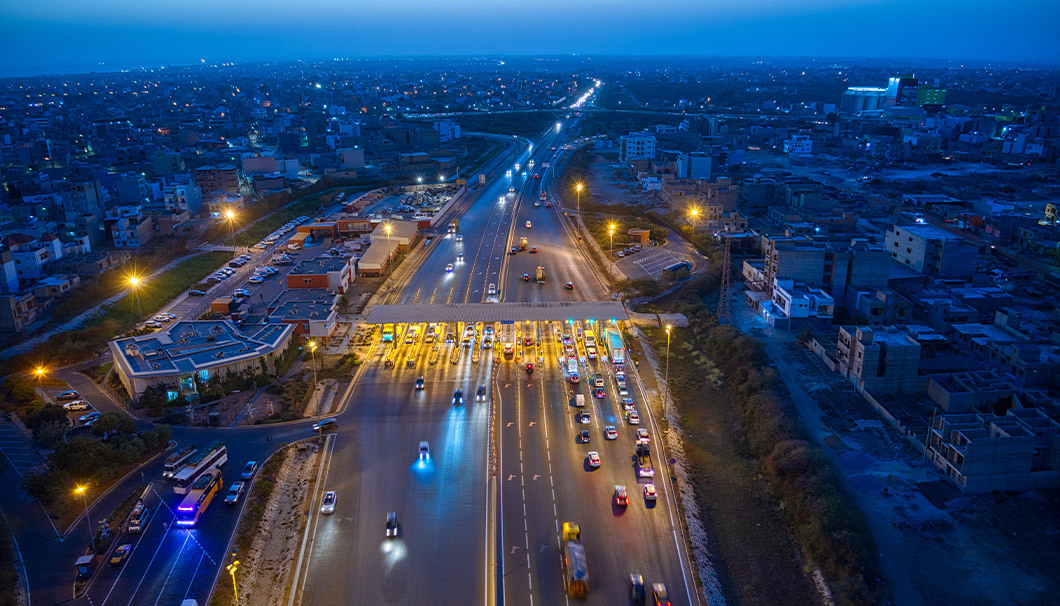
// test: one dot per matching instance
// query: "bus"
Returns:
(206, 458)
(198, 498)
(176, 461)
(388, 333)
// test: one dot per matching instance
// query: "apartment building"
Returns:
(17, 311)
(931, 250)
(637, 146)
(223, 178)
(881, 360)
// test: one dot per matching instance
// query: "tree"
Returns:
(343, 303)
(51, 433)
(106, 423)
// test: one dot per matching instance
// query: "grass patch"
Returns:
(74, 345)
(98, 373)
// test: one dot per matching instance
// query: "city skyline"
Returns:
(117, 35)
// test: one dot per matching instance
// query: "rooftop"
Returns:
(320, 265)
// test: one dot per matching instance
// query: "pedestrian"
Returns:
(165, 526)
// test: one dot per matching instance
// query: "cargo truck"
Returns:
(454, 225)
(644, 466)
(522, 243)
(575, 572)
(540, 275)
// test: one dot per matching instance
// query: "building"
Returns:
(986, 452)
(448, 130)
(800, 145)
(792, 301)
(330, 274)
(183, 197)
(695, 165)
(931, 250)
(223, 178)
(638, 146)
(902, 90)
(17, 311)
(259, 164)
(311, 312)
(863, 100)
(351, 159)
(879, 360)
(190, 352)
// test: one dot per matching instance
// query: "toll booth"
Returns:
(84, 565)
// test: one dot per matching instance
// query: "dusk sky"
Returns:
(45, 36)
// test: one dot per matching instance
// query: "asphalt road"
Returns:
(440, 503)
(546, 480)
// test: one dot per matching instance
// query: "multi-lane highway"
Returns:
(480, 520)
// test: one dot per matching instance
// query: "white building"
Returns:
(799, 145)
(638, 146)
(447, 130)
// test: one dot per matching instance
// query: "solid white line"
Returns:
(311, 521)
(152, 561)
(171, 568)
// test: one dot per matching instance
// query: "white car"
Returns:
(528, 226)
(76, 405)
(449, 268)
(649, 492)
(594, 459)
(425, 450)
(328, 504)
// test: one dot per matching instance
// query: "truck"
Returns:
(543, 197)
(540, 275)
(644, 466)
(615, 349)
(522, 243)
(454, 225)
(482, 178)
(139, 515)
(575, 572)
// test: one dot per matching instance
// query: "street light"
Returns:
(419, 179)
(81, 488)
(695, 213)
(611, 233)
(230, 216)
(666, 380)
(388, 228)
(578, 188)
(134, 283)
(313, 352)
(231, 568)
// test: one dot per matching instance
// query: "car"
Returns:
(459, 257)
(328, 504)
(249, 469)
(528, 225)
(526, 277)
(196, 293)
(594, 459)
(628, 404)
(642, 434)
(529, 368)
(152, 324)
(569, 286)
(620, 254)
(449, 268)
(491, 289)
(90, 417)
(621, 498)
(326, 424)
(419, 383)
(511, 190)
(537, 205)
(161, 318)
(598, 392)
(234, 492)
(658, 592)
(425, 450)
(391, 525)
(458, 397)
(610, 433)
(239, 295)
(119, 554)
(583, 436)
(514, 250)
(633, 418)
(598, 380)
(649, 492)
(459, 237)
(537, 176)
(637, 593)
(548, 205)
(75, 405)
(256, 280)
(480, 395)
(583, 417)
(533, 250)
(67, 395)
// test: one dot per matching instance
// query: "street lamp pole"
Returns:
(611, 234)
(388, 228)
(231, 216)
(232, 571)
(313, 352)
(666, 381)
(84, 499)
(578, 188)
(134, 282)
(39, 371)
(695, 214)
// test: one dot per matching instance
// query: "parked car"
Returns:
(196, 293)
(76, 405)
(67, 395)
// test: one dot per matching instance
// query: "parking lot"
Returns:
(17, 449)
(648, 263)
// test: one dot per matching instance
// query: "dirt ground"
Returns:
(268, 564)
(936, 546)
(609, 185)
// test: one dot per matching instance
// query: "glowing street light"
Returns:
(39, 373)
(694, 212)
(666, 381)
(611, 232)
(134, 284)
(419, 179)
(578, 187)
(230, 216)
(81, 489)
(388, 228)
(313, 352)
(232, 568)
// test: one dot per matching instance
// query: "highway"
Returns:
(447, 550)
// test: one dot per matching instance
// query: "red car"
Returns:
(537, 176)
(598, 392)
(569, 286)
(548, 205)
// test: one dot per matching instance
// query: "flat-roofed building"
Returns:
(191, 351)
(334, 274)
(312, 313)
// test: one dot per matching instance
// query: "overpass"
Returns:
(555, 311)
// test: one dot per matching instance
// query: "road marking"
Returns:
(536, 476)
(511, 476)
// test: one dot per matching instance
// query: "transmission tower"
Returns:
(726, 281)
